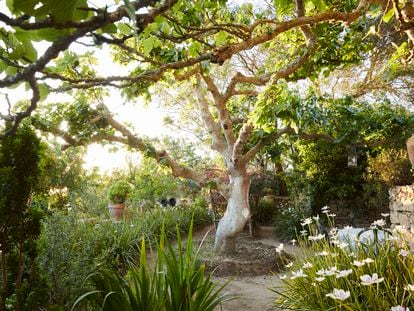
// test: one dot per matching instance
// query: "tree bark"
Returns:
(236, 215)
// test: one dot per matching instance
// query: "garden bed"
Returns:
(252, 258)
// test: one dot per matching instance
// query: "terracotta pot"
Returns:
(410, 149)
(116, 210)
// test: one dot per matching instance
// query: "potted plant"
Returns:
(117, 196)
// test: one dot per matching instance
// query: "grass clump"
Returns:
(71, 249)
(367, 271)
(173, 281)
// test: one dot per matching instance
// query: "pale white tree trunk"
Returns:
(236, 215)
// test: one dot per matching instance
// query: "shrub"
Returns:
(287, 220)
(391, 167)
(70, 249)
(370, 275)
(119, 191)
(175, 282)
(22, 157)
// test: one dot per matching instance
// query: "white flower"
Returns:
(307, 265)
(333, 231)
(316, 237)
(332, 215)
(306, 221)
(320, 279)
(343, 245)
(399, 308)
(293, 242)
(279, 248)
(392, 238)
(282, 277)
(297, 274)
(343, 273)
(290, 264)
(369, 280)
(326, 272)
(378, 223)
(358, 263)
(409, 287)
(403, 253)
(323, 253)
(325, 209)
(385, 214)
(368, 260)
(339, 294)
(304, 233)
(316, 218)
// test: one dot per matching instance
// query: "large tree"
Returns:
(176, 40)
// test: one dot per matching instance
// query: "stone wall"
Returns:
(402, 206)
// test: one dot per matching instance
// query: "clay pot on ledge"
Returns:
(116, 210)
(117, 195)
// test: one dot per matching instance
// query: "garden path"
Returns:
(252, 292)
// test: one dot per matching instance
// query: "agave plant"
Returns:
(175, 281)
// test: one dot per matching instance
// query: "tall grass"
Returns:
(69, 250)
(359, 273)
(174, 281)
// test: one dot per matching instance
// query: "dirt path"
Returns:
(252, 292)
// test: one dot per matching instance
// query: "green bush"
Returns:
(287, 220)
(373, 274)
(119, 191)
(22, 157)
(70, 249)
(175, 282)
(391, 166)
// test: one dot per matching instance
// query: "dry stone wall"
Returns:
(402, 206)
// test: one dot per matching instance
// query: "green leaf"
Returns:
(50, 34)
(110, 28)
(11, 70)
(148, 45)
(25, 39)
(44, 91)
(124, 28)
(60, 11)
(10, 5)
(318, 4)
(221, 37)
(194, 49)
(18, 51)
(388, 16)
(3, 66)
(283, 6)
(25, 6)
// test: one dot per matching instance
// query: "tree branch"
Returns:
(213, 128)
(249, 155)
(241, 141)
(221, 54)
(95, 23)
(224, 117)
(18, 117)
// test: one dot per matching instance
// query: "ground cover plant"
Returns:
(349, 274)
(174, 281)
